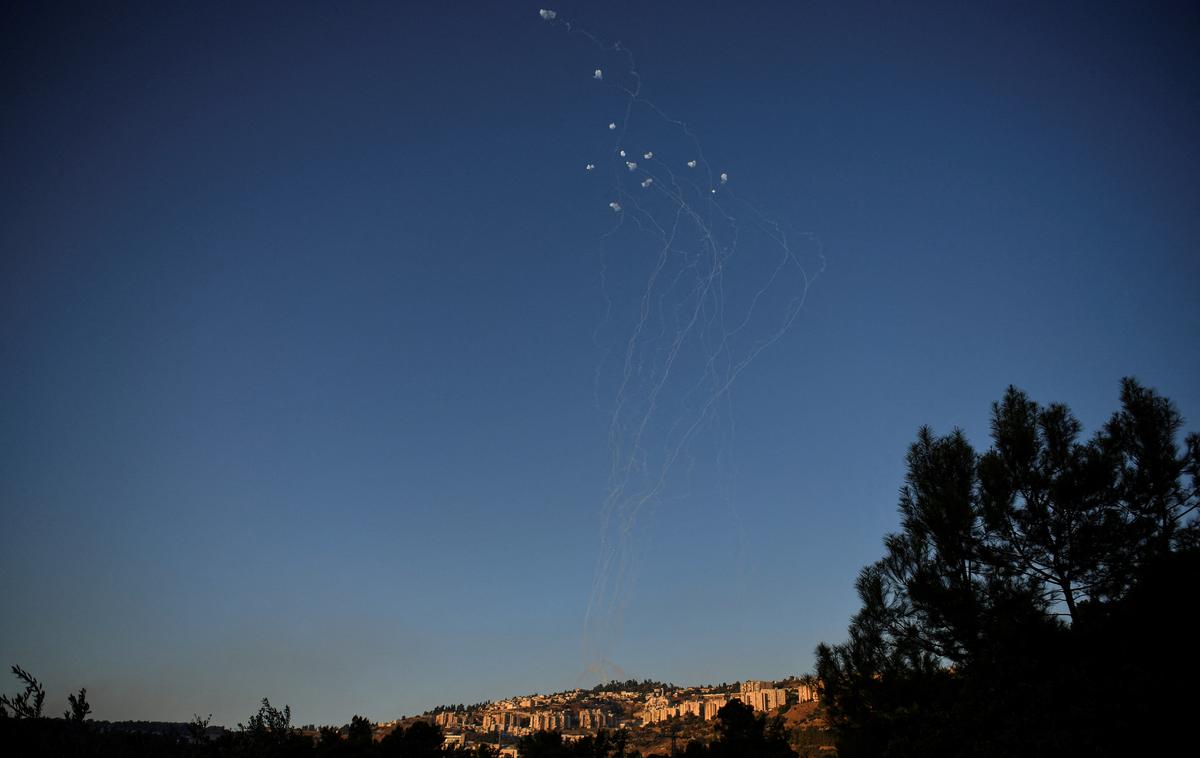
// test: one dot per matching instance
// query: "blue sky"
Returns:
(299, 311)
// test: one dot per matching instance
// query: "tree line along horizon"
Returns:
(1036, 600)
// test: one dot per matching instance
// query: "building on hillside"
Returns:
(594, 719)
(657, 701)
(504, 721)
(712, 704)
(448, 719)
(807, 693)
(550, 720)
(761, 696)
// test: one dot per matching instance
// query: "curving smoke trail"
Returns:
(697, 283)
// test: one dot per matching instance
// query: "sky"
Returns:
(309, 314)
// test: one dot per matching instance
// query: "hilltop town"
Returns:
(649, 712)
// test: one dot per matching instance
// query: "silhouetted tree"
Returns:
(269, 732)
(741, 733)
(331, 742)
(541, 744)
(988, 627)
(27, 705)
(79, 709)
(1153, 486)
(1047, 500)
(198, 729)
(420, 740)
(359, 731)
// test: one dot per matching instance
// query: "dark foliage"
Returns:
(605, 744)
(268, 733)
(79, 709)
(460, 708)
(643, 687)
(27, 705)
(742, 732)
(1037, 600)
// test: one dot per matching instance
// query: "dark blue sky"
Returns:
(299, 309)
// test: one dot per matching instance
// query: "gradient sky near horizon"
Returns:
(297, 304)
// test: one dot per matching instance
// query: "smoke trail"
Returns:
(697, 283)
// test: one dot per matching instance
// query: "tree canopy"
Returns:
(1034, 599)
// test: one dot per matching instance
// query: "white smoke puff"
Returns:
(724, 177)
(615, 206)
(631, 165)
(590, 167)
(647, 182)
(547, 15)
(691, 164)
(598, 74)
(648, 155)
(621, 152)
(612, 125)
